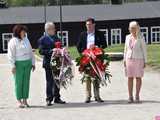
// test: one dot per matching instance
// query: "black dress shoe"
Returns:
(88, 100)
(49, 103)
(99, 100)
(59, 101)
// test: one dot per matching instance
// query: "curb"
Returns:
(115, 56)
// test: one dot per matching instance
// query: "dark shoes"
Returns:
(88, 100)
(59, 101)
(99, 100)
(49, 103)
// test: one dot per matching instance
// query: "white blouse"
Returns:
(19, 50)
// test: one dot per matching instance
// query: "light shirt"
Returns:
(19, 50)
(90, 39)
(138, 51)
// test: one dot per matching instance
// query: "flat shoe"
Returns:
(131, 100)
(137, 100)
(99, 100)
(21, 106)
(49, 103)
(26, 105)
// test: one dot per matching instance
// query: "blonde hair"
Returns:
(136, 24)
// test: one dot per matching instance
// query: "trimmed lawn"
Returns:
(116, 48)
(153, 52)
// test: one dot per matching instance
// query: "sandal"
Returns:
(137, 100)
(130, 100)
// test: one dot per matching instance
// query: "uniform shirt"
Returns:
(19, 50)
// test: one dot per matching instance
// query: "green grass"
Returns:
(116, 48)
(153, 52)
(73, 52)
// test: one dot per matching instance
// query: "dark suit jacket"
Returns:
(99, 41)
(45, 48)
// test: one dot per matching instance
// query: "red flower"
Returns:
(97, 51)
(81, 68)
(95, 56)
(103, 67)
(58, 44)
(92, 73)
(98, 62)
(86, 52)
(85, 60)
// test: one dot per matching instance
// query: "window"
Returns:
(155, 34)
(115, 36)
(5, 38)
(144, 31)
(105, 31)
(64, 37)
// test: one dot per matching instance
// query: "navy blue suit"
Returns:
(46, 44)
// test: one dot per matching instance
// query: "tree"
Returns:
(72, 2)
(65, 2)
(53, 2)
(116, 1)
(19, 2)
(37, 2)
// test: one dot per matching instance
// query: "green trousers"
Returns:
(22, 79)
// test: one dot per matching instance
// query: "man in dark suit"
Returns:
(88, 39)
(46, 45)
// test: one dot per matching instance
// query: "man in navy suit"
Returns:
(46, 45)
(88, 39)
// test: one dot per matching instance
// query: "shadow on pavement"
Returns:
(94, 104)
(86, 105)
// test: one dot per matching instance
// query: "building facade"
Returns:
(114, 29)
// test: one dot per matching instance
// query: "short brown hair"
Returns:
(18, 29)
(91, 20)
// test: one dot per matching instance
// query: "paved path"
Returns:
(115, 96)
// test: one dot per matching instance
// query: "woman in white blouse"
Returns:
(135, 58)
(22, 61)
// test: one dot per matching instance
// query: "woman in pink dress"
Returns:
(135, 58)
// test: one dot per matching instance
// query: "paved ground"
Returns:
(115, 96)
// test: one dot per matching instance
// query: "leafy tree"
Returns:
(20, 2)
(64, 2)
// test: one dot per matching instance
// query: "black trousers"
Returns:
(52, 91)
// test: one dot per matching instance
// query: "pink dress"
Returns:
(134, 67)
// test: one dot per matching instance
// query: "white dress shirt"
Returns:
(138, 51)
(90, 39)
(19, 50)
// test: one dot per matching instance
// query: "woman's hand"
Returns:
(33, 68)
(14, 70)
